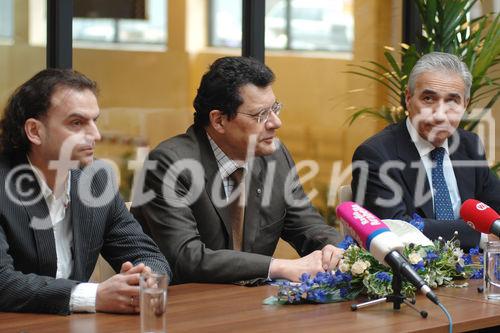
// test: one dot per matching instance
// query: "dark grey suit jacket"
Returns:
(196, 237)
(394, 144)
(28, 260)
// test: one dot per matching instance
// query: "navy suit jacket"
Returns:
(394, 144)
(28, 260)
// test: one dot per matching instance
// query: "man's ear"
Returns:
(217, 121)
(34, 131)
(407, 97)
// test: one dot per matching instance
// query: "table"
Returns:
(230, 308)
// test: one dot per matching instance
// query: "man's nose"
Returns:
(93, 132)
(274, 121)
(439, 113)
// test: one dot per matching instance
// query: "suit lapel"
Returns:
(465, 176)
(213, 178)
(38, 218)
(414, 173)
(253, 186)
(81, 217)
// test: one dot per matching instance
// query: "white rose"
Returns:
(458, 253)
(359, 267)
(343, 266)
(415, 258)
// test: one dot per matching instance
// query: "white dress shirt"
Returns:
(226, 167)
(424, 149)
(83, 295)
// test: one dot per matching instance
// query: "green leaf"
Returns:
(375, 79)
(496, 169)
(470, 126)
(393, 63)
(386, 70)
(382, 113)
(379, 75)
(273, 300)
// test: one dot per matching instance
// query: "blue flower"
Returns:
(324, 278)
(383, 276)
(467, 259)
(417, 221)
(317, 295)
(477, 274)
(431, 256)
(474, 251)
(459, 268)
(419, 265)
(281, 283)
(304, 277)
(346, 242)
(342, 277)
(344, 292)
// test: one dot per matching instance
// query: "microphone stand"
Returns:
(396, 298)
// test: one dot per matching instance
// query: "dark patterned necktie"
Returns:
(237, 208)
(443, 209)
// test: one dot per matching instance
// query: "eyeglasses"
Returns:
(263, 116)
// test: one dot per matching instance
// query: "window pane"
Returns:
(18, 60)
(6, 19)
(276, 31)
(94, 30)
(321, 25)
(226, 23)
(152, 30)
(290, 24)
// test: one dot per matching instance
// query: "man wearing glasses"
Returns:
(227, 190)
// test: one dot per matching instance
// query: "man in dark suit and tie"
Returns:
(224, 192)
(425, 164)
(60, 209)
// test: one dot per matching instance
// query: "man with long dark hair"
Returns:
(60, 209)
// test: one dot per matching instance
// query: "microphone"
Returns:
(480, 217)
(371, 233)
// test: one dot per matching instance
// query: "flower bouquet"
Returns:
(359, 273)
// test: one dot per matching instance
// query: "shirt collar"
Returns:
(45, 189)
(423, 146)
(226, 165)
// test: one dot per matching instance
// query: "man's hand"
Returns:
(313, 263)
(120, 293)
(128, 268)
(331, 257)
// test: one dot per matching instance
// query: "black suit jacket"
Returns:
(196, 237)
(394, 144)
(28, 260)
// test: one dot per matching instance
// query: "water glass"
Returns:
(492, 270)
(153, 294)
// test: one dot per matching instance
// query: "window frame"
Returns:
(287, 30)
